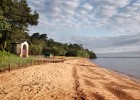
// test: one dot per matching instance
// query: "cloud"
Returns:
(87, 6)
(71, 4)
(120, 17)
(126, 43)
(119, 49)
(103, 12)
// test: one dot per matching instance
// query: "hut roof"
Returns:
(19, 41)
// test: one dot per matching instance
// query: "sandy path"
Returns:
(76, 79)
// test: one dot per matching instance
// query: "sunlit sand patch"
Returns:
(122, 95)
(89, 83)
(96, 78)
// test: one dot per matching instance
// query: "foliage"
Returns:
(20, 16)
(35, 49)
(4, 27)
(37, 43)
(74, 50)
(18, 13)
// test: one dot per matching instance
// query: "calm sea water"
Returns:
(129, 66)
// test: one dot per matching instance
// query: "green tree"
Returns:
(20, 16)
(35, 49)
(18, 13)
(37, 43)
(92, 55)
(4, 28)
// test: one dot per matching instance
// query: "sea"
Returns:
(125, 63)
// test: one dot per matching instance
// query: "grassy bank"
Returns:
(15, 61)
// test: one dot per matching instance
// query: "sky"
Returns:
(104, 26)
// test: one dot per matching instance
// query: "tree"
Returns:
(35, 49)
(92, 55)
(37, 43)
(35, 36)
(40, 44)
(20, 16)
(4, 28)
(18, 13)
(43, 37)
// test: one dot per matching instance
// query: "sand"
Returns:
(75, 79)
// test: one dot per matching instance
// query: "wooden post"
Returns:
(9, 67)
(31, 63)
(26, 64)
(19, 64)
(39, 62)
(35, 62)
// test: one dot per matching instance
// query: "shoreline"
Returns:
(133, 77)
(121, 73)
(73, 79)
(129, 67)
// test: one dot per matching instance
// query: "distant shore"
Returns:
(73, 79)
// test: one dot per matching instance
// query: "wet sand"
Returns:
(75, 79)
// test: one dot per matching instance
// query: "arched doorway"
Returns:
(24, 51)
(21, 48)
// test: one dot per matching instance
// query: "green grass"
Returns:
(15, 61)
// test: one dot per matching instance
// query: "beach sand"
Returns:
(75, 79)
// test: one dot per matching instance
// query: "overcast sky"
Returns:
(100, 25)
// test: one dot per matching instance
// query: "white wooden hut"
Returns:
(21, 48)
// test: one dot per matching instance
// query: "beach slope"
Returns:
(75, 79)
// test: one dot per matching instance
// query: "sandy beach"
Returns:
(75, 79)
